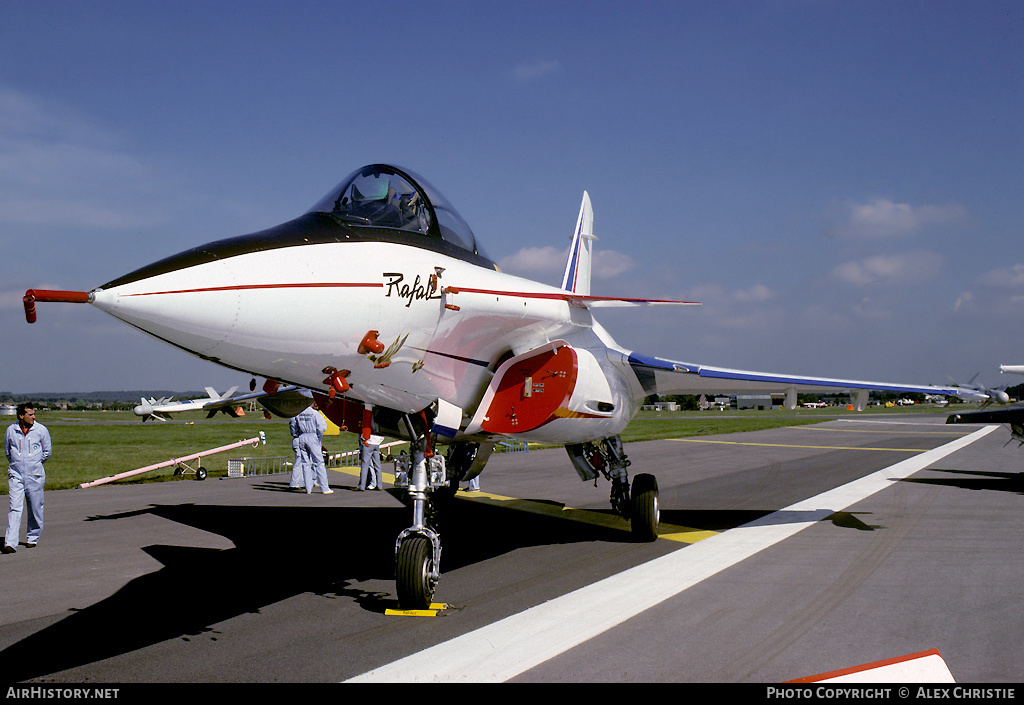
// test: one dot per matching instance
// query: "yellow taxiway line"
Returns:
(796, 445)
(879, 430)
(682, 534)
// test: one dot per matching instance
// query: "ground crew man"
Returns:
(312, 427)
(369, 463)
(27, 446)
(298, 479)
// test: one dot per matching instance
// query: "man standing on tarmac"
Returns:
(27, 446)
(311, 427)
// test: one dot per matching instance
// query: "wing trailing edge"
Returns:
(660, 376)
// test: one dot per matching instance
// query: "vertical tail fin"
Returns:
(577, 269)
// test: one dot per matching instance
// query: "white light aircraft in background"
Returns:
(1012, 415)
(161, 409)
(287, 401)
(987, 395)
(380, 301)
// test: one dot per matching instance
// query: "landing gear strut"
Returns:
(418, 548)
(640, 505)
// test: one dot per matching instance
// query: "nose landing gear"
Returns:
(418, 548)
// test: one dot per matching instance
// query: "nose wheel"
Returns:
(416, 570)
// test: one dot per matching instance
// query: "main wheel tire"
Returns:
(413, 573)
(200, 473)
(646, 514)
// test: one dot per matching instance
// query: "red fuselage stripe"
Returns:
(566, 295)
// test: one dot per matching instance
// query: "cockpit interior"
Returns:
(383, 196)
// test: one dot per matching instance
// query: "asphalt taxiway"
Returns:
(784, 553)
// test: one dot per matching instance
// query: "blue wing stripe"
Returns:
(645, 365)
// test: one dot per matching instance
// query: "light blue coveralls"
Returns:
(26, 454)
(311, 428)
(298, 477)
(369, 464)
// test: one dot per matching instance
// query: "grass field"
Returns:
(88, 445)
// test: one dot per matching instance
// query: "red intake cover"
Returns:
(531, 391)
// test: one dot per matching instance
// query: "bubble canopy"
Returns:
(376, 203)
(384, 196)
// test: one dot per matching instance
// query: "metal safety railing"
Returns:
(350, 458)
(248, 467)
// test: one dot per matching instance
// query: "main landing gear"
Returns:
(427, 479)
(638, 505)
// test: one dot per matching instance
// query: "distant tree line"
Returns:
(108, 401)
(690, 402)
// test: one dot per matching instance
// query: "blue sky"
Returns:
(840, 183)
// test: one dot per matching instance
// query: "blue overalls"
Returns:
(26, 453)
(369, 464)
(312, 427)
(298, 480)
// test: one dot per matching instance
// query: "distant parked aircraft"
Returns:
(161, 409)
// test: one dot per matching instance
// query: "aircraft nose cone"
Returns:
(190, 308)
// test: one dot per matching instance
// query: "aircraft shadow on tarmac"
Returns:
(981, 480)
(198, 587)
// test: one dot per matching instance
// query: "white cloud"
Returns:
(883, 218)
(714, 296)
(536, 69)
(758, 292)
(1005, 277)
(543, 262)
(994, 296)
(609, 263)
(56, 168)
(907, 267)
(535, 262)
(963, 300)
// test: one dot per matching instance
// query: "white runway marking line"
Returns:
(506, 648)
(894, 423)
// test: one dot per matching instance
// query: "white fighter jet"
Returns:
(161, 409)
(1012, 415)
(381, 302)
(287, 401)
